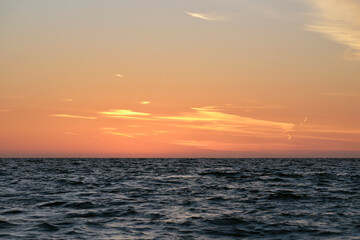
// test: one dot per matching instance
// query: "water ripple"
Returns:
(179, 198)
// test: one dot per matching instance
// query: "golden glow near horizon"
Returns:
(192, 78)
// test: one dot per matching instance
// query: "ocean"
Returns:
(179, 198)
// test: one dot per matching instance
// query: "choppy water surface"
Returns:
(179, 198)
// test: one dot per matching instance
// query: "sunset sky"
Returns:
(180, 78)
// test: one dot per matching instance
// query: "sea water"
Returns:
(179, 198)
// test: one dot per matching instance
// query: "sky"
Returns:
(180, 78)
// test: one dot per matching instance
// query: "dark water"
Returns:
(180, 198)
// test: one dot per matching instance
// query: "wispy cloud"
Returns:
(123, 113)
(5, 110)
(201, 127)
(119, 75)
(210, 119)
(211, 16)
(71, 116)
(145, 102)
(339, 21)
(213, 119)
(114, 131)
(119, 134)
(67, 100)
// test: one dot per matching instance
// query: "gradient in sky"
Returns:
(180, 78)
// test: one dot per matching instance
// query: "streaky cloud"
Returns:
(114, 131)
(206, 123)
(209, 118)
(223, 120)
(216, 17)
(123, 113)
(340, 22)
(212, 119)
(71, 116)
(120, 134)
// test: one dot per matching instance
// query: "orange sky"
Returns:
(182, 78)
